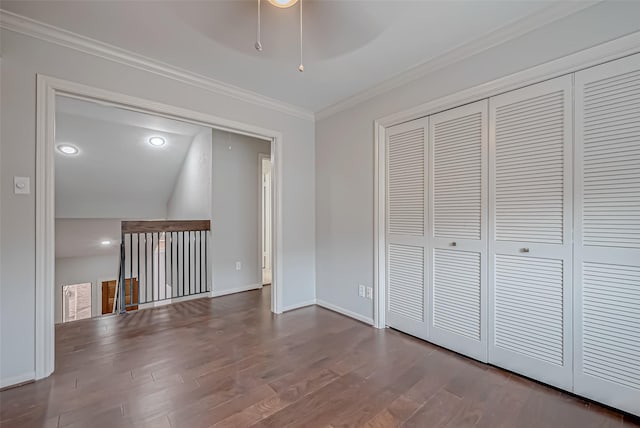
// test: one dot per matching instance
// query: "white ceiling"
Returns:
(117, 173)
(349, 45)
(83, 237)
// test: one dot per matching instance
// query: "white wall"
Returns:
(220, 175)
(345, 145)
(191, 196)
(22, 58)
(236, 211)
(77, 270)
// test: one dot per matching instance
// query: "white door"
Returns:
(406, 225)
(607, 241)
(457, 244)
(530, 248)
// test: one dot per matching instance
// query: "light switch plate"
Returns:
(369, 292)
(21, 185)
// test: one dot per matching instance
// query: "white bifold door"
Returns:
(457, 229)
(407, 297)
(607, 224)
(437, 181)
(513, 231)
(530, 245)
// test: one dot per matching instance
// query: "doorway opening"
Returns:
(109, 295)
(112, 167)
(148, 227)
(49, 90)
(76, 302)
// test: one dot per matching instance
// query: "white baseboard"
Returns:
(218, 293)
(172, 300)
(15, 380)
(344, 311)
(299, 305)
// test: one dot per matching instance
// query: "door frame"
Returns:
(47, 88)
(261, 158)
(99, 286)
(92, 300)
(605, 52)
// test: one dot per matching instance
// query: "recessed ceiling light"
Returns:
(105, 242)
(67, 149)
(157, 141)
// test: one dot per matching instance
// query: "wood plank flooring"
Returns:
(228, 362)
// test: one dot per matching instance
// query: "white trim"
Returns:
(311, 302)
(500, 36)
(0, 202)
(277, 233)
(47, 89)
(261, 157)
(343, 311)
(244, 288)
(30, 27)
(379, 236)
(45, 229)
(16, 380)
(608, 51)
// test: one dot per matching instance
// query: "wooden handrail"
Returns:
(165, 226)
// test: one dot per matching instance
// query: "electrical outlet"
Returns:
(369, 292)
(361, 290)
(238, 265)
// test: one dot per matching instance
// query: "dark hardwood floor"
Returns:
(227, 362)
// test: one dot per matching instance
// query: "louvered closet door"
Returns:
(406, 226)
(530, 302)
(458, 229)
(607, 254)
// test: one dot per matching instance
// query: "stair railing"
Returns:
(162, 261)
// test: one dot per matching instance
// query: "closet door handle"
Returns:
(525, 250)
(453, 244)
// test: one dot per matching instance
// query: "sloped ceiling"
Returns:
(348, 45)
(117, 173)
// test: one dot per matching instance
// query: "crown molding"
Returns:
(51, 34)
(502, 35)
(599, 54)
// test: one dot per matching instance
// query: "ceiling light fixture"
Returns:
(68, 149)
(281, 4)
(105, 242)
(157, 141)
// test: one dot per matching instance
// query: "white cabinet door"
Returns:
(607, 218)
(458, 229)
(530, 248)
(406, 226)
